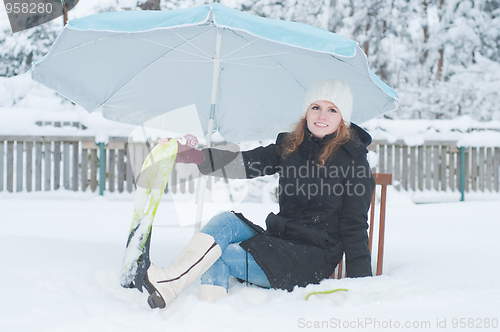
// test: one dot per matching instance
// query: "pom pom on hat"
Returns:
(336, 91)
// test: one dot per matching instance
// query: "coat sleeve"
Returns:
(358, 189)
(241, 165)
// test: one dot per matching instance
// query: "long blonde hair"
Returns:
(296, 137)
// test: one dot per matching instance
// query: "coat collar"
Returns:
(359, 141)
(311, 145)
(356, 146)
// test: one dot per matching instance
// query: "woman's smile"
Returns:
(323, 118)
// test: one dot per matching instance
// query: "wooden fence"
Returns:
(33, 163)
(437, 165)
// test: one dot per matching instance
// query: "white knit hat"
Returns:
(336, 91)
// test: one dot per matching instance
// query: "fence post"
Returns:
(462, 172)
(47, 164)
(57, 165)
(1, 164)
(66, 162)
(76, 160)
(102, 169)
(19, 165)
(29, 166)
(496, 168)
(10, 167)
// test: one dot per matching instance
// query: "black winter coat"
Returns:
(323, 210)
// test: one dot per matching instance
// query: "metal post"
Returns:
(65, 12)
(462, 172)
(202, 182)
(102, 169)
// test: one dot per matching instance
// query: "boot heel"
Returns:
(156, 301)
(148, 285)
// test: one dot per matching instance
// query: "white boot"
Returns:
(164, 284)
(212, 293)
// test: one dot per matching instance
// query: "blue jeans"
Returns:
(228, 231)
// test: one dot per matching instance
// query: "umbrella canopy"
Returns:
(248, 73)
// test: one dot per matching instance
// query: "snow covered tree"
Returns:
(313, 12)
(460, 70)
(176, 4)
(19, 50)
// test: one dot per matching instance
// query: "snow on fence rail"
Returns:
(34, 163)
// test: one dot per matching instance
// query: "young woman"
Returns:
(325, 189)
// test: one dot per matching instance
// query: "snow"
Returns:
(63, 250)
(463, 129)
(63, 253)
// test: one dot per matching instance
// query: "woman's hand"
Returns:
(186, 152)
(186, 140)
(164, 141)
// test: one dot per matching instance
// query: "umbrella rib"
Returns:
(265, 54)
(189, 42)
(236, 50)
(135, 35)
(165, 54)
(188, 61)
(81, 45)
(249, 65)
(348, 64)
(257, 56)
(175, 49)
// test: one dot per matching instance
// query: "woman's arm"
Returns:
(222, 163)
(358, 191)
(241, 165)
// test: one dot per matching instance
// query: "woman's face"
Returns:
(323, 118)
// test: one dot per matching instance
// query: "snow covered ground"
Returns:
(62, 254)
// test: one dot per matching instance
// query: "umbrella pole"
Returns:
(202, 182)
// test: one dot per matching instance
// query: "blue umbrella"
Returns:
(246, 73)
